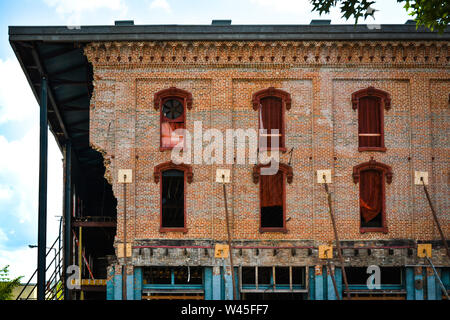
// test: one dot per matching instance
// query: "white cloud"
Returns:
(16, 100)
(22, 262)
(5, 192)
(3, 236)
(285, 5)
(19, 174)
(161, 4)
(73, 10)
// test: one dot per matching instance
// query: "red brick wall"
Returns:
(321, 126)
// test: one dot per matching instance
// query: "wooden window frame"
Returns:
(385, 103)
(160, 97)
(285, 105)
(288, 174)
(188, 177)
(386, 177)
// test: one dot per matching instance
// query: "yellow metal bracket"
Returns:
(221, 251)
(325, 252)
(424, 250)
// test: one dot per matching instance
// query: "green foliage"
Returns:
(7, 285)
(349, 8)
(432, 14)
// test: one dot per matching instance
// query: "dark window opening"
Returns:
(298, 275)
(388, 275)
(172, 199)
(391, 275)
(272, 202)
(156, 275)
(272, 217)
(248, 275)
(176, 275)
(264, 275)
(371, 198)
(282, 275)
(191, 275)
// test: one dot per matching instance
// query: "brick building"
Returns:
(368, 103)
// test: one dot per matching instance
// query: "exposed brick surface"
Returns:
(321, 126)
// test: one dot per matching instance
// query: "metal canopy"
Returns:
(69, 91)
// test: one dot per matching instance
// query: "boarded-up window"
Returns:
(272, 200)
(371, 103)
(369, 118)
(271, 118)
(172, 199)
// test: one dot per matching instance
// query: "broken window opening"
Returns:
(272, 200)
(371, 199)
(172, 199)
(172, 118)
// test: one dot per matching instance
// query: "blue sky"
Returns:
(19, 125)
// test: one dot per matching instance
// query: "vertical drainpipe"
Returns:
(42, 205)
(67, 215)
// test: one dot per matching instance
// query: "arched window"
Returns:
(271, 104)
(172, 179)
(172, 104)
(370, 104)
(272, 197)
(371, 177)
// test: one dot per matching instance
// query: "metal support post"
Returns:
(42, 205)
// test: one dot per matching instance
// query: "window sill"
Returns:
(164, 230)
(376, 149)
(380, 229)
(282, 230)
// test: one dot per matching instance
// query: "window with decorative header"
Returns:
(372, 177)
(172, 179)
(172, 104)
(370, 104)
(271, 104)
(272, 197)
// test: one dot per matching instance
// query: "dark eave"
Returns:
(69, 90)
(224, 32)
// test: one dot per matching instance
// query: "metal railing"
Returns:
(55, 287)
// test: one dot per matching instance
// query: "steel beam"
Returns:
(67, 213)
(42, 205)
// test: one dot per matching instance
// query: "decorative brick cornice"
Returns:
(264, 53)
